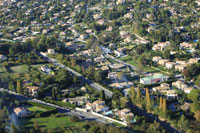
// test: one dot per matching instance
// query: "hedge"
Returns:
(41, 105)
(62, 104)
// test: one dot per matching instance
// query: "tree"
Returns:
(98, 76)
(194, 95)
(19, 87)
(164, 106)
(132, 94)
(36, 127)
(13, 129)
(183, 123)
(102, 95)
(161, 103)
(138, 97)
(148, 99)
(123, 102)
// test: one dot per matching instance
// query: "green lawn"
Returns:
(129, 60)
(19, 69)
(50, 122)
(36, 109)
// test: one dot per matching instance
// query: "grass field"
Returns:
(13, 70)
(50, 122)
(129, 60)
(36, 109)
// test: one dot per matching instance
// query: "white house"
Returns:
(51, 51)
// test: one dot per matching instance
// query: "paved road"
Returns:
(82, 78)
(165, 125)
(117, 60)
(67, 111)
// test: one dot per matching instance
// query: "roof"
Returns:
(19, 109)
(155, 76)
(99, 102)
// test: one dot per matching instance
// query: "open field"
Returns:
(13, 70)
(129, 60)
(50, 122)
(36, 109)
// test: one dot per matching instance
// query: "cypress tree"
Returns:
(138, 96)
(164, 106)
(19, 87)
(148, 100)
(161, 103)
(132, 94)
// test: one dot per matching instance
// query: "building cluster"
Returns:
(178, 65)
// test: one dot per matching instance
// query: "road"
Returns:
(165, 125)
(108, 93)
(117, 60)
(67, 111)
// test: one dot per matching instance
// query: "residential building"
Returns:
(33, 90)
(51, 51)
(170, 65)
(21, 111)
(77, 100)
(163, 62)
(117, 66)
(161, 46)
(156, 58)
(156, 78)
(125, 114)
(120, 85)
(171, 94)
(97, 106)
(180, 67)
(193, 61)
(112, 75)
(186, 45)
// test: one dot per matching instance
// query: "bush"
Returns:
(74, 119)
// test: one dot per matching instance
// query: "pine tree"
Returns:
(164, 106)
(161, 103)
(148, 99)
(138, 96)
(19, 87)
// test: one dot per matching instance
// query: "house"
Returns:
(186, 45)
(51, 51)
(120, 1)
(125, 114)
(163, 62)
(100, 22)
(161, 46)
(99, 59)
(120, 85)
(123, 33)
(125, 91)
(161, 88)
(180, 62)
(156, 78)
(118, 53)
(33, 90)
(171, 94)
(180, 67)
(46, 69)
(128, 39)
(77, 100)
(101, 108)
(21, 111)
(105, 68)
(170, 65)
(112, 75)
(3, 57)
(117, 66)
(97, 106)
(178, 84)
(156, 58)
(128, 15)
(187, 90)
(193, 61)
